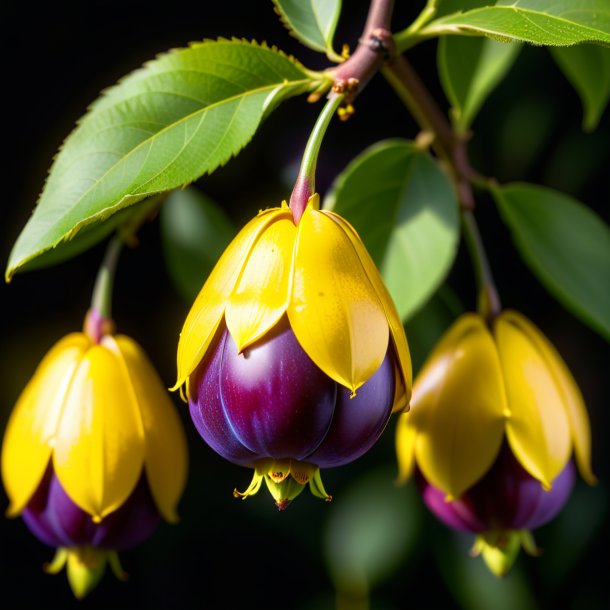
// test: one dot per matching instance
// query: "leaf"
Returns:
(194, 233)
(470, 68)
(447, 7)
(557, 23)
(177, 118)
(313, 22)
(406, 212)
(565, 244)
(372, 527)
(587, 67)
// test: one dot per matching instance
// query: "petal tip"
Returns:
(13, 511)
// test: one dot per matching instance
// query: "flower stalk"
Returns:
(304, 186)
(101, 300)
(489, 305)
(98, 321)
(374, 47)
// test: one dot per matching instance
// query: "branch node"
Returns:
(381, 42)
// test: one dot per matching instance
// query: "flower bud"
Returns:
(293, 354)
(496, 424)
(94, 454)
(271, 402)
(84, 546)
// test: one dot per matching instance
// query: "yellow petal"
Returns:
(207, 311)
(402, 394)
(99, 450)
(260, 297)
(406, 433)
(166, 455)
(538, 428)
(32, 426)
(335, 312)
(459, 407)
(573, 401)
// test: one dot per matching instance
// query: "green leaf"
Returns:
(194, 233)
(470, 68)
(405, 209)
(447, 7)
(177, 118)
(370, 530)
(587, 67)
(313, 22)
(565, 244)
(556, 23)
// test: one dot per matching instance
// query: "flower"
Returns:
(495, 424)
(94, 452)
(293, 354)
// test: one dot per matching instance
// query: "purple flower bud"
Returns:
(505, 498)
(272, 401)
(57, 521)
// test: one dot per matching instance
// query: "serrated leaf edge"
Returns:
(91, 108)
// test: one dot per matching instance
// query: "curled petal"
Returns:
(335, 312)
(260, 297)
(209, 306)
(99, 450)
(538, 428)
(166, 457)
(573, 401)
(459, 403)
(31, 430)
(399, 339)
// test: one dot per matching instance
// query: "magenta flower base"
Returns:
(272, 401)
(506, 498)
(55, 520)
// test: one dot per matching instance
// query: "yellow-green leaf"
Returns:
(177, 118)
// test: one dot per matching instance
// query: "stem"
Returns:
(379, 17)
(101, 301)
(375, 45)
(413, 93)
(350, 77)
(305, 185)
(427, 13)
(489, 305)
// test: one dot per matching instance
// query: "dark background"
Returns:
(226, 552)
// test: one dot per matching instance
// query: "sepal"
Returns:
(285, 480)
(499, 548)
(85, 567)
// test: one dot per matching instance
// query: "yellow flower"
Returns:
(99, 414)
(482, 386)
(318, 274)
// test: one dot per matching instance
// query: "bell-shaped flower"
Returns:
(94, 441)
(293, 354)
(496, 422)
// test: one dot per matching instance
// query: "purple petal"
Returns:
(359, 421)
(206, 410)
(278, 402)
(507, 497)
(458, 514)
(57, 521)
